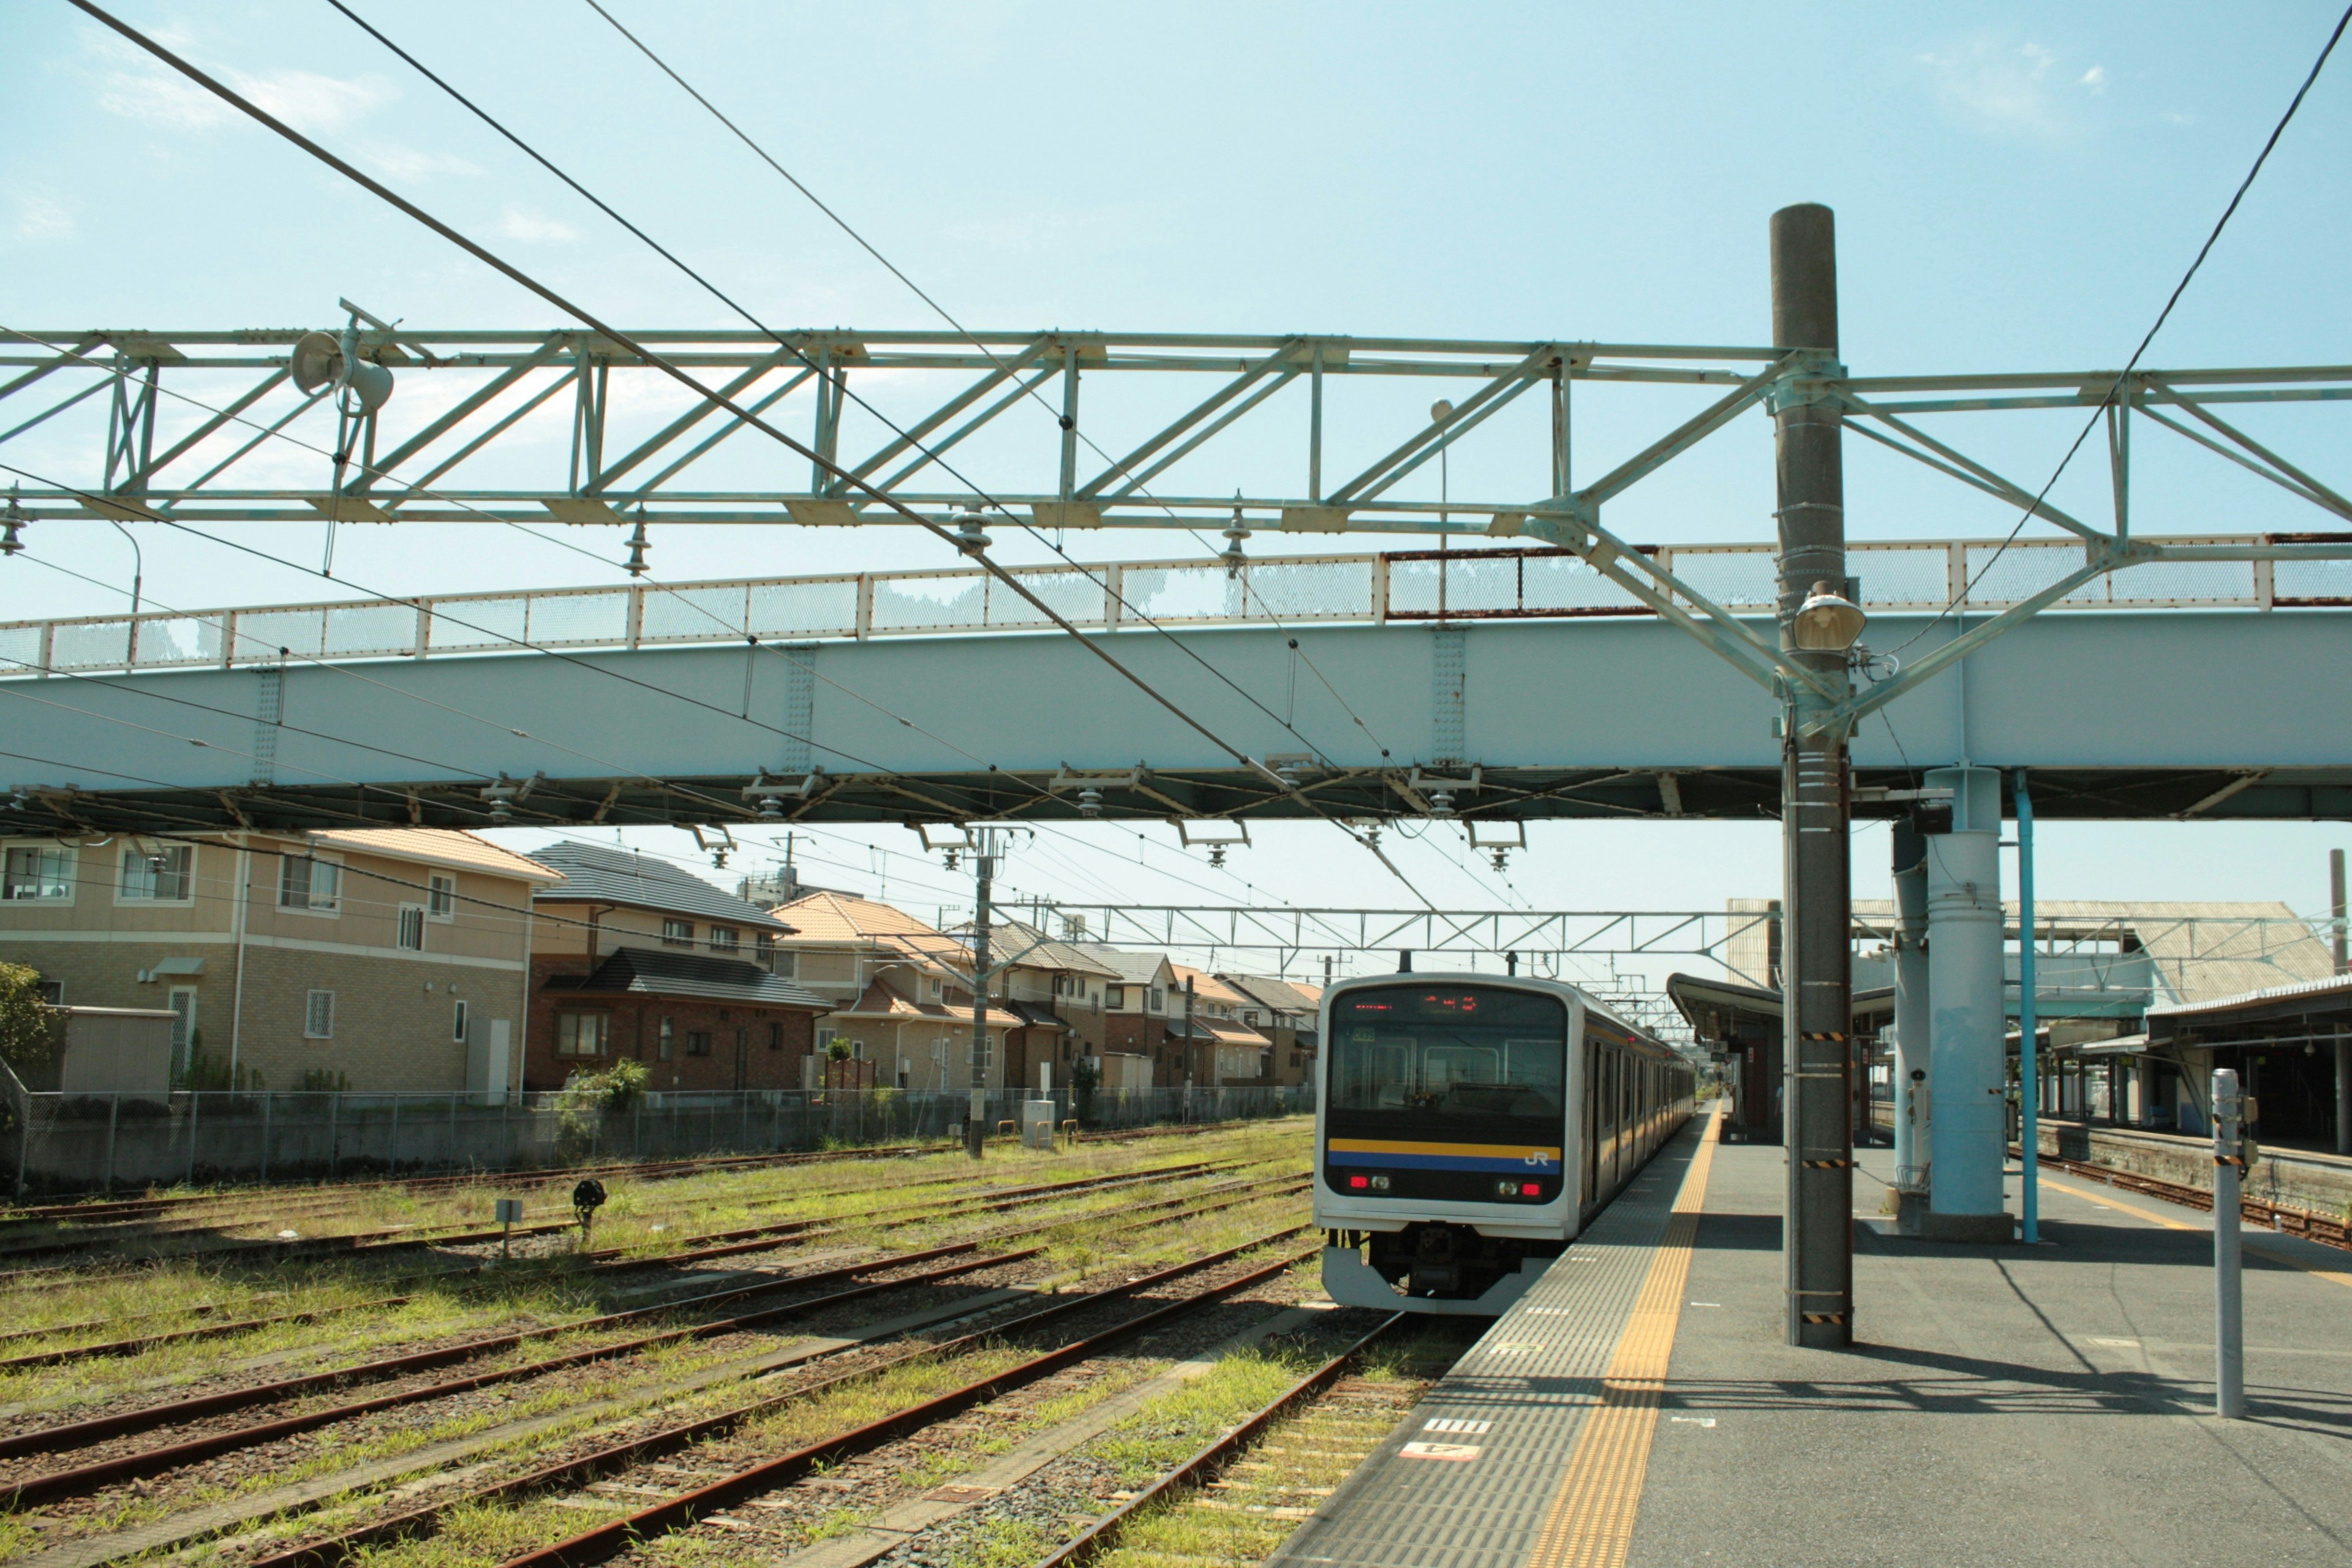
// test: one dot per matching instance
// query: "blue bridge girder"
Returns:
(2144, 714)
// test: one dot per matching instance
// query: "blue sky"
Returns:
(2016, 187)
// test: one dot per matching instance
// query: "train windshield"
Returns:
(1479, 1062)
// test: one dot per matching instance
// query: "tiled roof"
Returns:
(1279, 994)
(597, 873)
(884, 1000)
(820, 918)
(1132, 968)
(1225, 1031)
(1016, 942)
(451, 846)
(1207, 987)
(651, 972)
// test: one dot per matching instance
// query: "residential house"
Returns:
(897, 990)
(1222, 1048)
(1135, 1012)
(380, 959)
(1057, 988)
(1286, 1012)
(635, 957)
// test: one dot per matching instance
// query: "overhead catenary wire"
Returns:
(2115, 387)
(784, 341)
(991, 354)
(630, 345)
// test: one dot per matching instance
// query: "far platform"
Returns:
(2003, 1403)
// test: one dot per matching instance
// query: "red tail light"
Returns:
(1530, 1190)
(1359, 1182)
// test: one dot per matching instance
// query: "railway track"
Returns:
(692, 1249)
(693, 1439)
(2330, 1230)
(969, 1255)
(125, 1209)
(1331, 1446)
(366, 1244)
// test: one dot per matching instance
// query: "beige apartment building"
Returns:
(375, 958)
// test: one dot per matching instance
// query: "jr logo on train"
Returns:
(1468, 1127)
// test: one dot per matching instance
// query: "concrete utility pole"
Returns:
(1192, 1052)
(976, 1125)
(1816, 1002)
(2343, 1042)
(2229, 1254)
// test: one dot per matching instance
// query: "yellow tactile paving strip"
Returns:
(1591, 1523)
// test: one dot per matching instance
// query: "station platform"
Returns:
(2004, 1405)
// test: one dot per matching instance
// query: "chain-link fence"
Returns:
(70, 1144)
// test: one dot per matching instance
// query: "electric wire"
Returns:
(2115, 387)
(840, 385)
(630, 345)
(1030, 390)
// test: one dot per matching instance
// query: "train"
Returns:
(1467, 1127)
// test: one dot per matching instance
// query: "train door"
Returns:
(1591, 1140)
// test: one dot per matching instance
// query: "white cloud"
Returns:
(2174, 117)
(38, 219)
(535, 228)
(2005, 87)
(136, 87)
(399, 162)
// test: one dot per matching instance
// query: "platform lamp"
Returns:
(1827, 622)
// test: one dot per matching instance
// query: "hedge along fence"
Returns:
(68, 1144)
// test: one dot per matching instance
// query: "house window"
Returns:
(785, 964)
(412, 927)
(1114, 996)
(441, 902)
(669, 1038)
(775, 1034)
(764, 948)
(678, 933)
(458, 1022)
(318, 1016)
(39, 872)
(581, 1034)
(306, 883)
(723, 939)
(932, 988)
(1158, 1000)
(698, 1042)
(159, 875)
(825, 1034)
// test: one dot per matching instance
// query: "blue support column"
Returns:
(2028, 1072)
(1968, 1078)
(1912, 1149)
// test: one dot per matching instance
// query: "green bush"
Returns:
(28, 1025)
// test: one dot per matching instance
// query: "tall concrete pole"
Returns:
(975, 1123)
(2343, 1042)
(1817, 1009)
(1912, 1148)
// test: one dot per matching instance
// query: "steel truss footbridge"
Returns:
(1556, 670)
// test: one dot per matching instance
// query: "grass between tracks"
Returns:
(648, 1220)
(642, 1392)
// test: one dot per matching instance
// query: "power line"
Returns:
(624, 341)
(2117, 386)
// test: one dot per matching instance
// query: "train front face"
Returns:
(1447, 1179)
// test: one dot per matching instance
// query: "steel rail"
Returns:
(88, 1478)
(1204, 1466)
(2310, 1225)
(724, 1243)
(82, 1479)
(595, 1545)
(425, 1521)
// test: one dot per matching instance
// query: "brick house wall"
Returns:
(635, 1032)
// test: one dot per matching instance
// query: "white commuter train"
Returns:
(1468, 1126)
